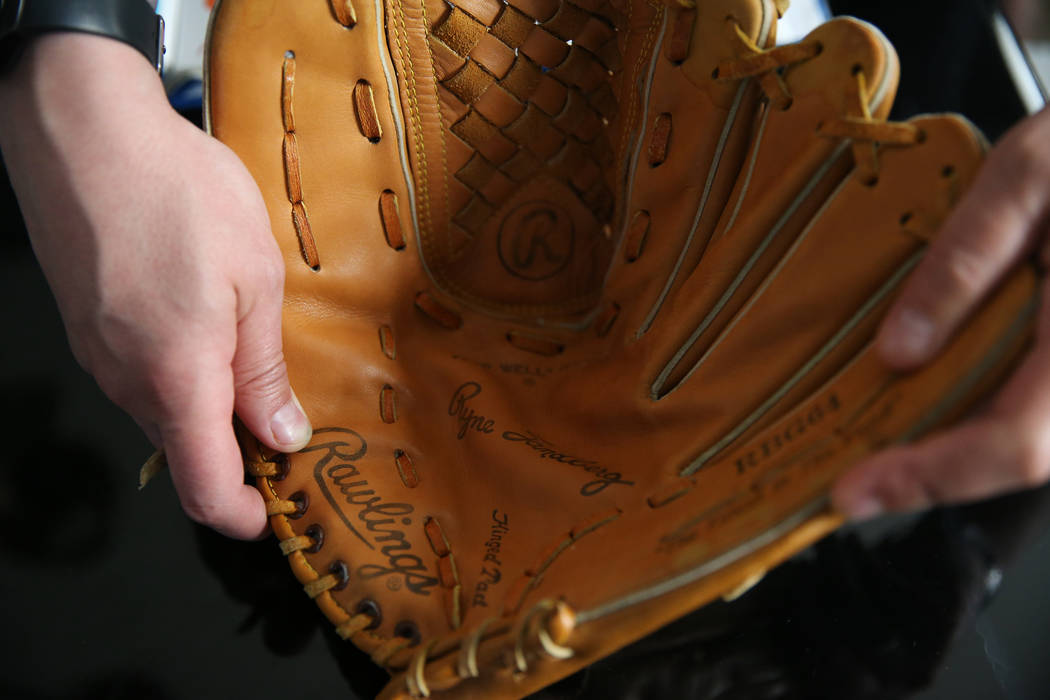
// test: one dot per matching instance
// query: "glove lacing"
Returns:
(867, 133)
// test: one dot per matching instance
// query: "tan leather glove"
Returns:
(579, 301)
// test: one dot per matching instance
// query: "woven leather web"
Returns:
(533, 87)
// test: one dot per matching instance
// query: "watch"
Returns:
(132, 21)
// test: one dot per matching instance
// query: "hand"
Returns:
(1006, 446)
(157, 246)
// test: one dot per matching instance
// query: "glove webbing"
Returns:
(534, 94)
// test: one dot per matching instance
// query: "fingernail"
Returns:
(290, 426)
(911, 334)
(864, 509)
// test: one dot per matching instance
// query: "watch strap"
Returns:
(132, 21)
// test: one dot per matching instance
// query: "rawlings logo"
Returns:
(337, 473)
(536, 241)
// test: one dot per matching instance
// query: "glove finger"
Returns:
(1005, 449)
(986, 236)
(816, 334)
(798, 159)
(692, 136)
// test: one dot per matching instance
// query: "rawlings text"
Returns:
(336, 471)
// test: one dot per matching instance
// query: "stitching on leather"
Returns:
(667, 493)
(441, 131)
(415, 676)
(362, 637)
(423, 183)
(382, 653)
(639, 67)
(681, 35)
(387, 343)
(406, 469)
(292, 172)
(388, 404)
(867, 133)
(323, 584)
(391, 220)
(296, 544)
(637, 234)
(448, 572)
(344, 12)
(659, 140)
(365, 111)
(520, 589)
(438, 312)
(537, 345)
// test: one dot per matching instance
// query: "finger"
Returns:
(966, 464)
(1006, 448)
(991, 229)
(205, 461)
(264, 399)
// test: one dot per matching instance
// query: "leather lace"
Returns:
(867, 133)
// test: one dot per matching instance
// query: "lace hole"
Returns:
(871, 181)
(948, 171)
(316, 533)
(371, 608)
(283, 467)
(339, 570)
(856, 69)
(715, 73)
(407, 629)
(905, 218)
(920, 137)
(302, 503)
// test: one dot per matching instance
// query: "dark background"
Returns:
(107, 592)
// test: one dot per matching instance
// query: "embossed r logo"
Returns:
(536, 241)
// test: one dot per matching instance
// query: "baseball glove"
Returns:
(580, 300)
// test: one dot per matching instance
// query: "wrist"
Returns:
(74, 82)
(82, 112)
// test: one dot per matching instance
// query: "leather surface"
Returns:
(629, 406)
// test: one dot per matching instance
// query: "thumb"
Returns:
(264, 400)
